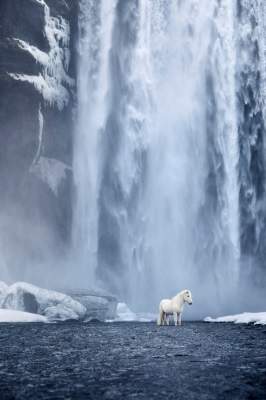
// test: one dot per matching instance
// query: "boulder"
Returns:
(61, 313)
(56, 306)
(99, 304)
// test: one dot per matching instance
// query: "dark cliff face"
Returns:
(37, 75)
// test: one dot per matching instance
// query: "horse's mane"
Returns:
(181, 293)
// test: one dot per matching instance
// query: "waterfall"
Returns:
(225, 132)
(158, 160)
(95, 27)
(251, 116)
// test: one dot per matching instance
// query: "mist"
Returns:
(145, 173)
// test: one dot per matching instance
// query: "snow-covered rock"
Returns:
(56, 306)
(258, 318)
(3, 292)
(60, 313)
(76, 304)
(99, 304)
(39, 55)
(20, 316)
(53, 82)
(124, 314)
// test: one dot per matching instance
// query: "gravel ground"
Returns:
(132, 361)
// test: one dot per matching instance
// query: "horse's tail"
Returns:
(160, 317)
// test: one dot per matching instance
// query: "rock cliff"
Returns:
(37, 86)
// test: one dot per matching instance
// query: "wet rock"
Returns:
(36, 106)
(99, 305)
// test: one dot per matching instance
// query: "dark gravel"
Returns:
(132, 361)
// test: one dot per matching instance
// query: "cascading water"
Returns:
(224, 131)
(92, 87)
(156, 160)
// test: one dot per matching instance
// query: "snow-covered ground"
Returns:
(258, 318)
(20, 316)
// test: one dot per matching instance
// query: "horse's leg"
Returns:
(159, 320)
(179, 319)
(167, 319)
(175, 318)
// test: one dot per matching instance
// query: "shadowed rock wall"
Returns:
(37, 85)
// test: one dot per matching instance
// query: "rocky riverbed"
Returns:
(132, 360)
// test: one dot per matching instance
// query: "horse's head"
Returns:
(187, 296)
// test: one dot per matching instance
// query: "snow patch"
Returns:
(50, 171)
(50, 83)
(40, 56)
(52, 94)
(20, 316)
(258, 318)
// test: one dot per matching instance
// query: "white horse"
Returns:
(174, 307)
